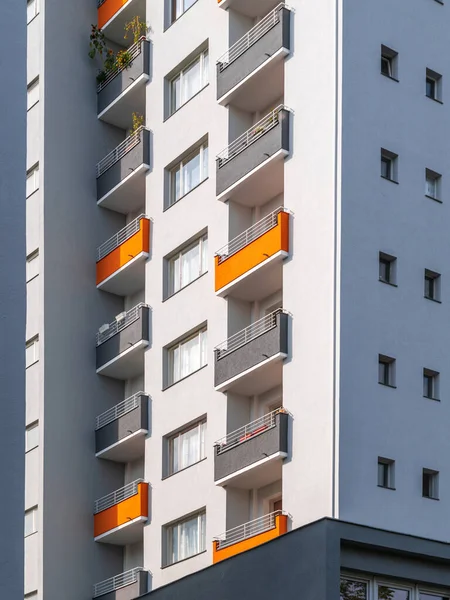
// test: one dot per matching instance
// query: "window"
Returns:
(433, 85)
(32, 10)
(179, 7)
(187, 356)
(189, 81)
(353, 590)
(32, 436)
(389, 62)
(432, 285)
(186, 447)
(31, 596)
(389, 165)
(30, 521)
(432, 184)
(431, 384)
(386, 473)
(392, 593)
(185, 538)
(386, 370)
(188, 173)
(32, 180)
(32, 265)
(32, 351)
(188, 264)
(387, 270)
(430, 484)
(33, 93)
(427, 596)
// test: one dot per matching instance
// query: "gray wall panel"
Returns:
(123, 426)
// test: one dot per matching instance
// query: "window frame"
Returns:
(31, 427)
(36, 10)
(202, 242)
(388, 363)
(168, 529)
(171, 350)
(432, 285)
(436, 80)
(33, 256)
(33, 512)
(389, 57)
(200, 150)
(388, 477)
(173, 10)
(433, 484)
(390, 159)
(33, 341)
(32, 172)
(372, 582)
(430, 380)
(390, 263)
(201, 426)
(32, 86)
(181, 74)
(434, 178)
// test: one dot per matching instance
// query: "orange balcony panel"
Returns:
(137, 244)
(132, 508)
(281, 523)
(274, 241)
(107, 10)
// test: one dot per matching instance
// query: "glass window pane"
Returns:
(390, 593)
(175, 94)
(205, 162)
(32, 268)
(426, 596)
(191, 173)
(204, 265)
(175, 185)
(205, 73)
(32, 94)
(189, 356)
(431, 187)
(30, 521)
(32, 437)
(353, 590)
(190, 269)
(191, 81)
(175, 280)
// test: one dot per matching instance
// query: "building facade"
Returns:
(235, 319)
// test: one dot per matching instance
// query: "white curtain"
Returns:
(191, 265)
(191, 81)
(191, 173)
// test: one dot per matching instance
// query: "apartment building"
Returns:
(236, 293)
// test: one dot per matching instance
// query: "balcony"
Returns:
(250, 8)
(251, 457)
(121, 174)
(121, 259)
(250, 361)
(112, 15)
(123, 91)
(121, 344)
(119, 517)
(250, 266)
(251, 170)
(120, 431)
(251, 73)
(126, 586)
(249, 535)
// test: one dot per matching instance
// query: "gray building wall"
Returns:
(12, 293)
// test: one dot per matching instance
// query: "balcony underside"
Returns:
(123, 535)
(132, 99)
(112, 18)
(262, 88)
(126, 196)
(264, 471)
(128, 279)
(251, 8)
(258, 379)
(127, 449)
(127, 364)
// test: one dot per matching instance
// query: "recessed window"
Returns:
(432, 184)
(387, 268)
(32, 269)
(392, 593)
(188, 173)
(433, 85)
(430, 384)
(432, 285)
(188, 264)
(33, 93)
(32, 436)
(186, 447)
(389, 62)
(31, 596)
(32, 10)
(353, 590)
(187, 356)
(189, 81)
(32, 180)
(30, 521)
(386, 370)
(32, 351)
(389, 162)
(386, 473)
(179, 7)
(430, 484)
(184, 538)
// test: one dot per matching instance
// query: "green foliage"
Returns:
(138, 122)
(97, 43)
(123, 59)
(137, 28)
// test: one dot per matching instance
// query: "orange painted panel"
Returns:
(139, 242)
(255, 253)
(107, 10)
(123, 512)
(279, 529)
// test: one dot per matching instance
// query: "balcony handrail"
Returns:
(118, 581)
(248, 334)
(134, 50)
(131, 489)
(250, 235)
(119, 152)
(100, 2)
(119, 410)
(117, 325)
(248, 530)
(250, 136)
(252, 429)
(251, 37)
(120, 237)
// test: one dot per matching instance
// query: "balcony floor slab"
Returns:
(126, 196)
(261, 473)
(128, 533)
(132, 99)
(126, 450)
(114, 29)
(127, 364)
(128, 279)
(258, 379)
(250, 8)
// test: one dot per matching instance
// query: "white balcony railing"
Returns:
(118, 581)
(247, 335)
(119, 152)
(120, 237)
(250, 136)
(132, 51)
(131, 489)
(119, 410)
(247, 530)
(250, 38)
(250, 235)
(241, 435)
(108, 330)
